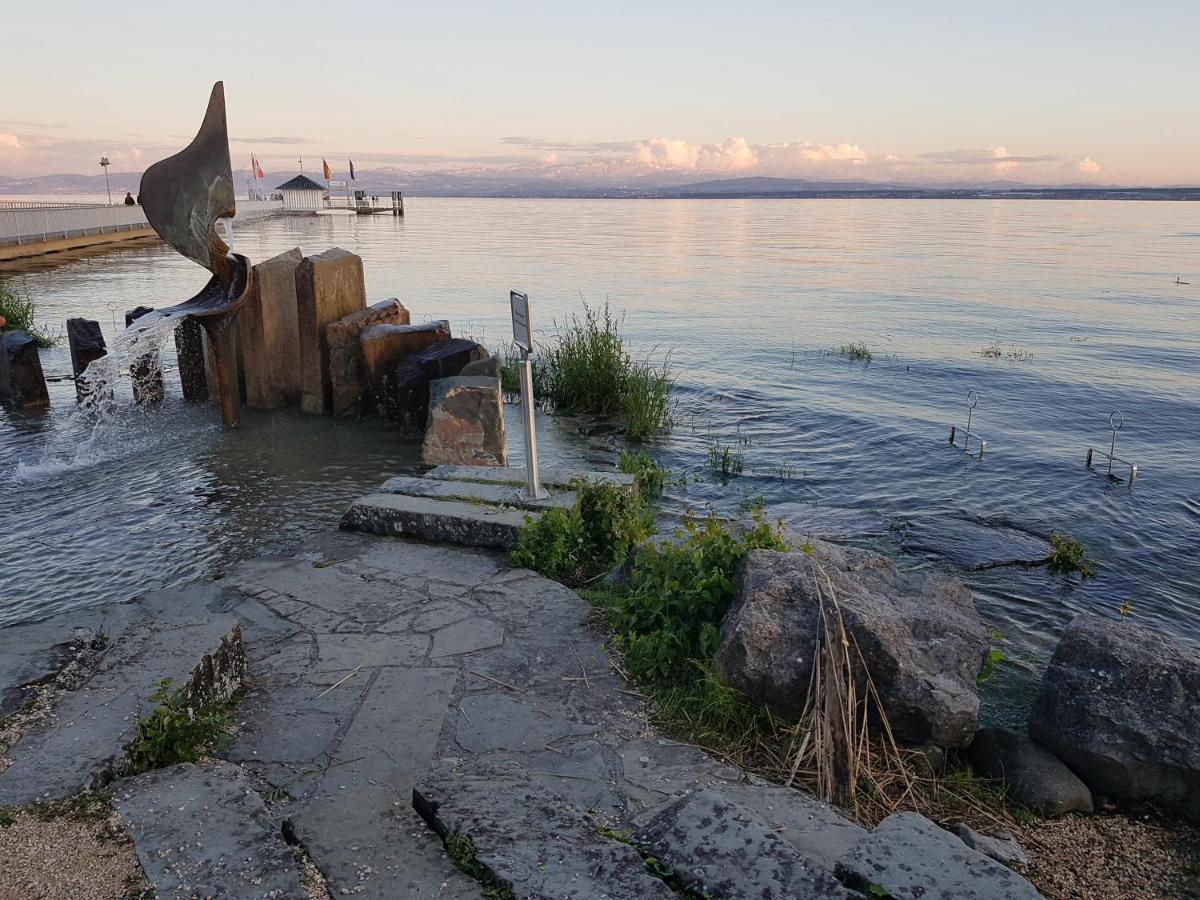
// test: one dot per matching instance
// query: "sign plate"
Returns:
(337, 184)
(522, 330)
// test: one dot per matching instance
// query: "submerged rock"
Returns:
(1120, 704)
(919, 634)
(1032, 775)
(408, 403)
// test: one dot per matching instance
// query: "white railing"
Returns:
(28, 225)
(44, 204)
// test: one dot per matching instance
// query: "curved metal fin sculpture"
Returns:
(184, 195)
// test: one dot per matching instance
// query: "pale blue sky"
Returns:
(1043, 91)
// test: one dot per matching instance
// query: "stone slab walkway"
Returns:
(378, 667)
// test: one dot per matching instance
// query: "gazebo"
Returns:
(301, 194)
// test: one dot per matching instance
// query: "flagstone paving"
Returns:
(383, 673)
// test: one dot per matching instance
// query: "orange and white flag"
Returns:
(328, 171)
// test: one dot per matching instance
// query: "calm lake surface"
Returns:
(749, 297)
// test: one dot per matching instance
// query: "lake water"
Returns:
(749, 297)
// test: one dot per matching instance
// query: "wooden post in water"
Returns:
(398, 203)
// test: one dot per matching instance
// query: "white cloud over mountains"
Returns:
(667, 158)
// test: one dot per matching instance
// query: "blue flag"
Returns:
(351, 169)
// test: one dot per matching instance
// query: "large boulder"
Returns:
(1120, 705)
(919, 635)
(466, 423)
(1032, 775)
(350, 392)
(86, 343)
(22, 383)
(408, 396)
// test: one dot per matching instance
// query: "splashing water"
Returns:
(89, 436)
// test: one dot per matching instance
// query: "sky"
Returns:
(921, 92)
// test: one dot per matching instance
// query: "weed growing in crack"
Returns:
(173, 732)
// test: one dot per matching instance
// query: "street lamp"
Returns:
(105, 163)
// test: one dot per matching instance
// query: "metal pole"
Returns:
(533, 486)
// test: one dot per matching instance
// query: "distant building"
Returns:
(301, 194)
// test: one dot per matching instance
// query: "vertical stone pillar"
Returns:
(189, 346)
(86, 342)
(329, 286)
(22, 384)
(146, 370)
(269, 334)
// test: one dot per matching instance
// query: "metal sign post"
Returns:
(523, 338)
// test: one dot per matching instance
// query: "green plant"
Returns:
(577, 544)
(877, 892)
(725, 460)
(679, 591)
(646, 401)
(1067, 555)
(7, 817)
(18, 312)
(173, 732)
(855, 352)
(461, 850)
(994, 657)
(649, 478)
(1125, 609)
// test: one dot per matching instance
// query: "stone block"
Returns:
(86, 342)
(408, 404)
(466, 423)
(189, 349)
(439, 521)
(146, 371)
(270, 332)
(329, 286)
(350, 390)
(22, 384)
(384, 347)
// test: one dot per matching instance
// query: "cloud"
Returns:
(9, 141)
(1088, 166)
(270, 140)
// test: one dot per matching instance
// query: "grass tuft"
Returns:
(18, 312)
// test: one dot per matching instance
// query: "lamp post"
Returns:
(105, 163)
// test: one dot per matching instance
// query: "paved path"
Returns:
(386, 676)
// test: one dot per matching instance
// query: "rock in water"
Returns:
(466, 423)
(22, 383)
(1120, 705)
(329, 286)
(86, 342)
(409, 401)
(269, 323)
(919, 634)
(1032, 775)
(347, 374)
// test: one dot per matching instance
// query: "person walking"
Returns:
(129, 201)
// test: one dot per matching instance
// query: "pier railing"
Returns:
(37, 223)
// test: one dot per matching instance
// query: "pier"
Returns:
(37, 229)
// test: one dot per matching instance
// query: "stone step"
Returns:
(717, 848)
(479, 492)
(513, 832)
(202, 831)
(441, 521)
(551, 477)
(171, 635)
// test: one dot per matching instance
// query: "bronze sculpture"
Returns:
(184, 195)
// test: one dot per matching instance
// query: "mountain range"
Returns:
(529, 183)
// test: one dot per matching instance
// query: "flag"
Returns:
(328, 171)
(351, 168)
(258, 172)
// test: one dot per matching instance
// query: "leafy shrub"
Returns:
(680, 590)
(17, 310)
(172, 733)
(647, 475)
(575, 545)
(1067, 555)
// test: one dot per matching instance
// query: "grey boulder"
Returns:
(1000, 846)
(1032, 775)
(1120, 705)
(919, 634)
